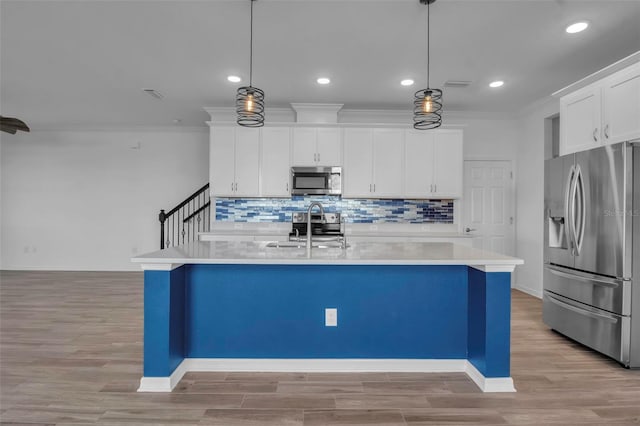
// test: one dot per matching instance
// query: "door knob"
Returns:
(469, 230)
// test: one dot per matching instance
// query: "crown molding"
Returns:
(598, 75)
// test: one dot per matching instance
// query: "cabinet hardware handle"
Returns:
(374, 187)
(435, 187)
(231, 186)
(606, 131)
(287, 186)
(318, 157)
(315, 157)
(595, 134)
(236, 186)
(370, 188)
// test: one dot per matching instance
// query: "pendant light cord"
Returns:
(251, 48)
(428, 39)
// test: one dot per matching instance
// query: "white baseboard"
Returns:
(491, 384)
(531, 291)
(332, 365)
(164, 384)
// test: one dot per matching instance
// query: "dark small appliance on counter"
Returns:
(329, 228)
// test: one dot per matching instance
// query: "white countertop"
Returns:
(351, 229)
(370, 253)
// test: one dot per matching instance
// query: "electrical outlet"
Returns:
(331, 317)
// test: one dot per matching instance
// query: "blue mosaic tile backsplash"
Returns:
(354, 210)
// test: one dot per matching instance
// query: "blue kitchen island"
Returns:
(245, 306)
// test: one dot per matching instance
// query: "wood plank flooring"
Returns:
(71, 354)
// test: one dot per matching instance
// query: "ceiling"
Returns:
(67, 63)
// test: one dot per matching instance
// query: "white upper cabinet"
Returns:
(329, 147)
(275, 156)
(621, 105)
(247, 162)
(234, 162)
(580, 118)
(433, 164)
(388, 151)
(601, 113)
(317, 146)
(378, 162)
(418, 169)
(222, 169)
(373, 160)
(358, 163)
(448, 164)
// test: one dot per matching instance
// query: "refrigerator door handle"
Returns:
(573, 216)
(595, 281)
(583, 210)
(568, 209)
(578, 310)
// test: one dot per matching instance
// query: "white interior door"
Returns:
(488, 212)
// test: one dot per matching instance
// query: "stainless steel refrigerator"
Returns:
(592, 249)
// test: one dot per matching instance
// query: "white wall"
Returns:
(530, 194)
(89, 200)
(489, 139)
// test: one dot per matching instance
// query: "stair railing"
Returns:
(183, 222)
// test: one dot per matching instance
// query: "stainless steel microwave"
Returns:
(316, 180)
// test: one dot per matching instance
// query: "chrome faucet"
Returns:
(311, 206)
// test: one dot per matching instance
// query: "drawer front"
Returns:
(602, 292)
(605, 332)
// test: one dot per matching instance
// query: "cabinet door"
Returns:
(388, 150)
(221, 161)
(275, 169)
(580, 120)
(247, 162)
(304, 146)
(358, 163)
(329, 148)
(448, 164)
(621, 109)
(418, 167)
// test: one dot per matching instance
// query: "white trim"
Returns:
(327, 365)
(491, 384)
(598, 75)
(164, 384)
(529, 290)
(160, 266)
(494, 268)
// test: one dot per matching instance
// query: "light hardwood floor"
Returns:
(71, 353)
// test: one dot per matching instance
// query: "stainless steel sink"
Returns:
(301, 244)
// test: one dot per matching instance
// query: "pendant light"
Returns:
(427, 104)
(250, 100)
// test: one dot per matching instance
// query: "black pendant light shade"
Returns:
(250, 100)
(427, 109)
(427, 103)
(250, 106)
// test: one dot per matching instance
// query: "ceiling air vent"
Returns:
(154, 93)
(457, 83)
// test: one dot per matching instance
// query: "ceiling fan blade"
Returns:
(8, 129)
(11, 125)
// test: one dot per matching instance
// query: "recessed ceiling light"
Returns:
(407, 82)
(323, 80)
(577, 27)
(234, 79)
(496, 83)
